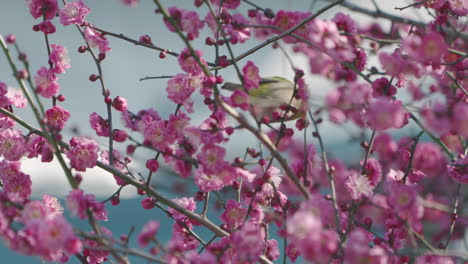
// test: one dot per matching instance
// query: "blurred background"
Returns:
(123, 67)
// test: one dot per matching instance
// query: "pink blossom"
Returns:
(179, 90)
(429, 159)
(120, 104)
(130, 3)
(240, 98)
(459, 7)
(428, 49)
(46, 82)
(158, 135)
(434, 259)
(59, 58)
(460, 119)
(459, 170)
(248, 242)
(73, 13)
(236, 32)
(16, 184)
(383, 114)
(208, 182)
(189, 64)
(187, 203)
(251, 76)
(56, 117)
(177, 123)
(36, 8)
(345, 23)
(95, 39)
(382, 87)
(78, 203)
(55, 233)
(187, 21)
(83, 153)
(373, 171)
(229, 4)
(147, 233)
(12, 144)
(47, 27)
(403, 200)
(357, 249)
(234, 215)
(212, 158)
(359, 186)
(99, 124)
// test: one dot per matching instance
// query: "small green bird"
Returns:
(272, 93)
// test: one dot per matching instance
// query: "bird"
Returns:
(273, 94)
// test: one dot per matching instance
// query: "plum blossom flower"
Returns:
(83, 153)
(147, 233)
(46, 82)
(99, 124)
(59, 58)
(130, 3)
(78, 203)
(95, 39)
(73, 13)
(359, 186)
(12, 144)
(229, 4)
(251, 76)
(188, 63)
(383, 114)
(186, 20)
(56, 117)
(37, 7)
(459, 170)
(240, 99)
(234, 214)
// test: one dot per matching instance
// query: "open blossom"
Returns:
(78, 203)
(12, 144)
(240, 99)
(95, 39)
(357, 249)
(159, 135)
(179, 90)
(234, 215)
(187, 203)
(359, 186)
(16, 184)
(251, 76)
(212, 158)
(59, 58)
(428, 49)
(83, 153)
(383, 114)
(188, 63)
(248, 243)
(229, 4)
(56, 117)
(147, 233)
(46, 82)
(73, 13)
(187, 21)
(99, 124)
(36, 8)
(235, 31)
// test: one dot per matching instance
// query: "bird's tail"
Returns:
(231, 86)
